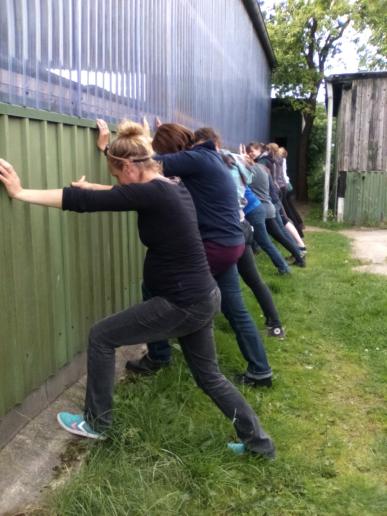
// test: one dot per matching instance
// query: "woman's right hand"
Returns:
(103, 135)
(10, 179)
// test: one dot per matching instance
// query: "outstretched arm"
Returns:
(11, 181)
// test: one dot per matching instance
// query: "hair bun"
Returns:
(129, 129)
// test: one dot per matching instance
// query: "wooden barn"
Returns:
(359, 102)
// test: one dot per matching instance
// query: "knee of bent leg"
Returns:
(95, 335)
(209, 382)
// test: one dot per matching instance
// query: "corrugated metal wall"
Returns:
(366, 198)
(197, 62)
(59, 271)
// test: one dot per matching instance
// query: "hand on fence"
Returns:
(246, 158)
(103, 135)
(146, 127)
(158, 122)
(9, 178)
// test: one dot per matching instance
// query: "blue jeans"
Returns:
(248, 338)
(257, 219)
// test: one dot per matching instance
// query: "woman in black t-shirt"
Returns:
(186, 297)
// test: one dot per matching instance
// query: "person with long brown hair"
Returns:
(247, 266)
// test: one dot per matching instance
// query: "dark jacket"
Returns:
(213, 191)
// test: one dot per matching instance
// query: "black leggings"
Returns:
(248, 270)
(275, 231)
(291, 210)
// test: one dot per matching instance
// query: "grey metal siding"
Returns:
(197, 62)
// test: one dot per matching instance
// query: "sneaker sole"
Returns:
(278, 337)
(81, 433)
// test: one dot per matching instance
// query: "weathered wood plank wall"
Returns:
(362, 126)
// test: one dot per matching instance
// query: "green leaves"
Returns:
(306, 34)
(372, 16)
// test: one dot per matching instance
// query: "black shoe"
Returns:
(276, 331)
(243, 379)
(145, 365)
(300, 263)
(284, 272)
(297, 262)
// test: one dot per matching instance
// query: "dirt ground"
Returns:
(369, 246)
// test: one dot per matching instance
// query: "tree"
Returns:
(304, 35)
(372, 15)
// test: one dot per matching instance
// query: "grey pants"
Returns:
(157, 319)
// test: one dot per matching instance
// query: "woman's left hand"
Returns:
(9, 178)
(82, 183)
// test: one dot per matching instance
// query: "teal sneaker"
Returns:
(76, 424)
(240, 449)
(237, 448)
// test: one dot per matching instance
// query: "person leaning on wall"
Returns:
(264, 188)
(247, 266)
(185, 295)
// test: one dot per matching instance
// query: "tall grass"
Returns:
(325, 411)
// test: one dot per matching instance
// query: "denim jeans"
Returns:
(248, 338)
(155, 319)
(257, 219)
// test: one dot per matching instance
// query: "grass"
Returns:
(326, 412)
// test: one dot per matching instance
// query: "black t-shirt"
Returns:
(175, 265)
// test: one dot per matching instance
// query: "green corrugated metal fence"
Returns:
(366, 198)
(59, 271)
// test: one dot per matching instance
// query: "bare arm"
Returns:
(11, 181)
(50, 198)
